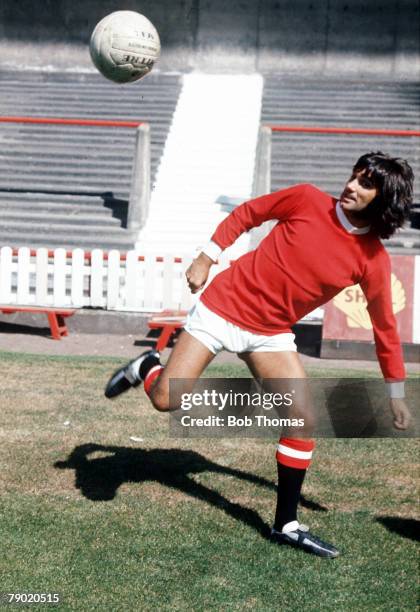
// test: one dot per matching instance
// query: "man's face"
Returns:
(358, 192)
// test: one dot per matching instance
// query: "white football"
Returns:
(124, 46)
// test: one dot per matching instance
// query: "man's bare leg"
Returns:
(280, 364)
(283, 372)
(187, 361)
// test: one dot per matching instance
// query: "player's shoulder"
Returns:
(306, 188)
(305, 191)
(375, 246)
(317, 200)
(380, 254)
(312, 193)
(378, 258)
(302, 197)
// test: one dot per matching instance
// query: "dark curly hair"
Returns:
(393, 178)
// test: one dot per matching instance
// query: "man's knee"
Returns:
(159, 399)
(162, 400)
(165, 395)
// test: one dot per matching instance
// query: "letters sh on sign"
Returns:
(347, 318)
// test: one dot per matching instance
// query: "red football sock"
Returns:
(151, 376)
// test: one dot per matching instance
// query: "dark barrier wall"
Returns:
(354, 36)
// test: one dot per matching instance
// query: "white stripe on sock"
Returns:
(156, 367)
(292, 452)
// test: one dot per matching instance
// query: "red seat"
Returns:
(168, 321)
(56, 317)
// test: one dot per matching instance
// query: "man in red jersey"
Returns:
(319, 246)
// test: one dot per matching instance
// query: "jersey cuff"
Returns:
(212, 250)
(396, 390)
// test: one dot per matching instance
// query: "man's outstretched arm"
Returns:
(278, 205)
(377, 289)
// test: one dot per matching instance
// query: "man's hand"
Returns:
(401, 412)
(198, 272)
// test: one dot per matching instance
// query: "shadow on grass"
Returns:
(405, 527)
(99, 478)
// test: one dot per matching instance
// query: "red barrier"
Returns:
(339, 130)
(58, 121)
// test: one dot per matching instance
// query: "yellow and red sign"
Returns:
(346, 316)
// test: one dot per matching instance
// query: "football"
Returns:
(124, 46)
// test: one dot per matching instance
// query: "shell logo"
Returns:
(352, 302)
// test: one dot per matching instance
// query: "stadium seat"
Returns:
(169, 322)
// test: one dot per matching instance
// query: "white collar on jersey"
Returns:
(346, 223)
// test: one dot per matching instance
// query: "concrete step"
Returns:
(60, 199)
(316, 158)
(355, 119)
(92, 188)
(399, 250)
(62, 154)
(64, 96)
(100, 228)
(334, 98)
(326, 159)
(83, 163)
(72, 182)
(24, 208)
(50, 183)
(289, 85)
(406, 240)
(76, 160)
(101, 218)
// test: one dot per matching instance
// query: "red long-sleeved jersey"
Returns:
(306, 259)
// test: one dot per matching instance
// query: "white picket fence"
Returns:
(96, 279)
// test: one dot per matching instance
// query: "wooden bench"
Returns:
(169, 322)
(56, 317)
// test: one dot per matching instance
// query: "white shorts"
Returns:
(217, 334)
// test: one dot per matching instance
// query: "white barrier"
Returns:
(111, 281)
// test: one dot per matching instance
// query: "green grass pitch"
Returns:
(100, 505)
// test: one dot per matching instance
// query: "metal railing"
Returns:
(262, 173)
